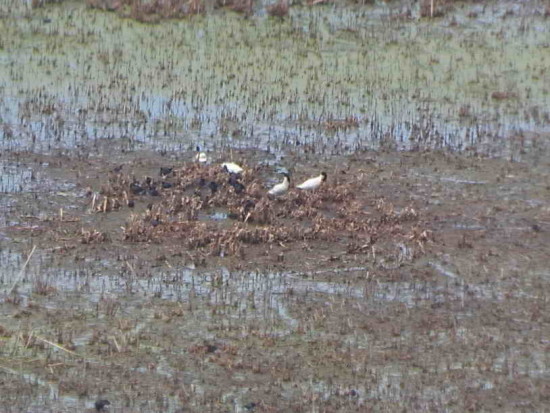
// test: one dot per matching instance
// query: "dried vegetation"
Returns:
(150, 11)
(153, 11)
(181, 204)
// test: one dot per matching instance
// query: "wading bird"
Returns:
(282, 188)
(313, 183)
(232, 167)
(201, 157)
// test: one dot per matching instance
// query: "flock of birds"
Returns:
(278, 190)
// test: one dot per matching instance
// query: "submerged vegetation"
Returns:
(329, 79)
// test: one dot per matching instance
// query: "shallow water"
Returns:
(88, 76)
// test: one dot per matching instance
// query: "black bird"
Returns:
(250, 406)
(233, 179)
(211, 348)
(153, 191)
(166, 185)
(165, 171)
(239, 188)
(100, 405)
(234, 182)
(213, 186)
(248, 205)
(136, 188)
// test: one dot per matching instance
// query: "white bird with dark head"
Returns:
(313, 183)
(201, 157)
(232, 167)
(281, 188)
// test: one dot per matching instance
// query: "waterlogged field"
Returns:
(416, 278)
(73, 76)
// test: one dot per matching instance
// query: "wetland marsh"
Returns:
(416, 279)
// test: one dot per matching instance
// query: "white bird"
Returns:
(313, 183)
(280, 189)
(201, 157)
(232, 167)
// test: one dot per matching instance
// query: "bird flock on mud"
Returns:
(212, 208)
(278, 190)
(202, 182)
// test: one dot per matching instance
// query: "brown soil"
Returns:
(429, 202)
(439, 301)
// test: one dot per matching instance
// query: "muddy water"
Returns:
(149, 323)
(459, 322)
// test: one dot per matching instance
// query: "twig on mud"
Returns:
(22, 270)
(61, 215)
(116, 344)
(58, 347)
(51, 366)
(8, 370)
(134, 273)
(130, 266)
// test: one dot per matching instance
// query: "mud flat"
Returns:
(442, 298)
